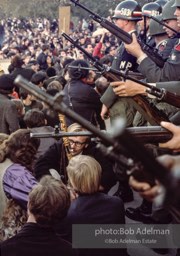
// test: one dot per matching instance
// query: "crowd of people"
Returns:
(46, 186)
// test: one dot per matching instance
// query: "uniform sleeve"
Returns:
(109, 97)
(17, 183)
(170, 71)
(173, 86)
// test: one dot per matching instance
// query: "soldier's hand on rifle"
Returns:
(174, 143)
(127, 88)
(144, 189)
(104, 112)
(134, 48)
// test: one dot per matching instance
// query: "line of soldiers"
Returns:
(118, 98)
(132, 57)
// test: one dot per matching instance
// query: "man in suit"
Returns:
(55, 158)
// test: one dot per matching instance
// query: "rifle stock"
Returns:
(122, 35)
(114, 144)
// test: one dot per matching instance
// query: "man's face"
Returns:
(77, 144)
(177, 13)
(89, 48)
(173, 24)
(121, 23)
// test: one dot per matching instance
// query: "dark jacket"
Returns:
(96, 208)
(9, 121)
(83, 99)
(36, 241)
(55, 158)
(42, 61)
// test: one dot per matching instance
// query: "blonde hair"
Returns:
(84, 174)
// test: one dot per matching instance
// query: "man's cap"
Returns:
(6, 82)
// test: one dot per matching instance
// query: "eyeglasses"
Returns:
(76, 143)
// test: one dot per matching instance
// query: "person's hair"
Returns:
(49, 201)
(55, 85)
(50, 71)
(23, 94)
(38, 77)
(45, 47)
(101, 84)
(34, 118)
(84, 174)
(75, 127)
(17, 62)
(20, 148)
(14, 217)
(19, 105)
(3, 137)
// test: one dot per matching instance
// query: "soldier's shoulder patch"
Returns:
(177, 46)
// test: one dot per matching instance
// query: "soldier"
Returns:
(149, 9)
(126, 16)
(170, 19)
(153, 73)
(158, 33)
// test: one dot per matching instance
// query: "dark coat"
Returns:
(8, 115)
(42, 61)
(36, 241)
(83, 99)
(97, 208)
(55, 158)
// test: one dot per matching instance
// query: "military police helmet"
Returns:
(156, 29)
(151, 9)
(128, 10)
(168, 11)
(177, 3)
(161, 2)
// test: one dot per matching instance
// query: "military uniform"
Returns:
(170, 71)
(122, 61)
(120, 106)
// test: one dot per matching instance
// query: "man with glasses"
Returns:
(56, 158)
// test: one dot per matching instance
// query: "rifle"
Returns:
(114, 75)
(112, 146)
(144, 134)
(122, 35)
(153, 115)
